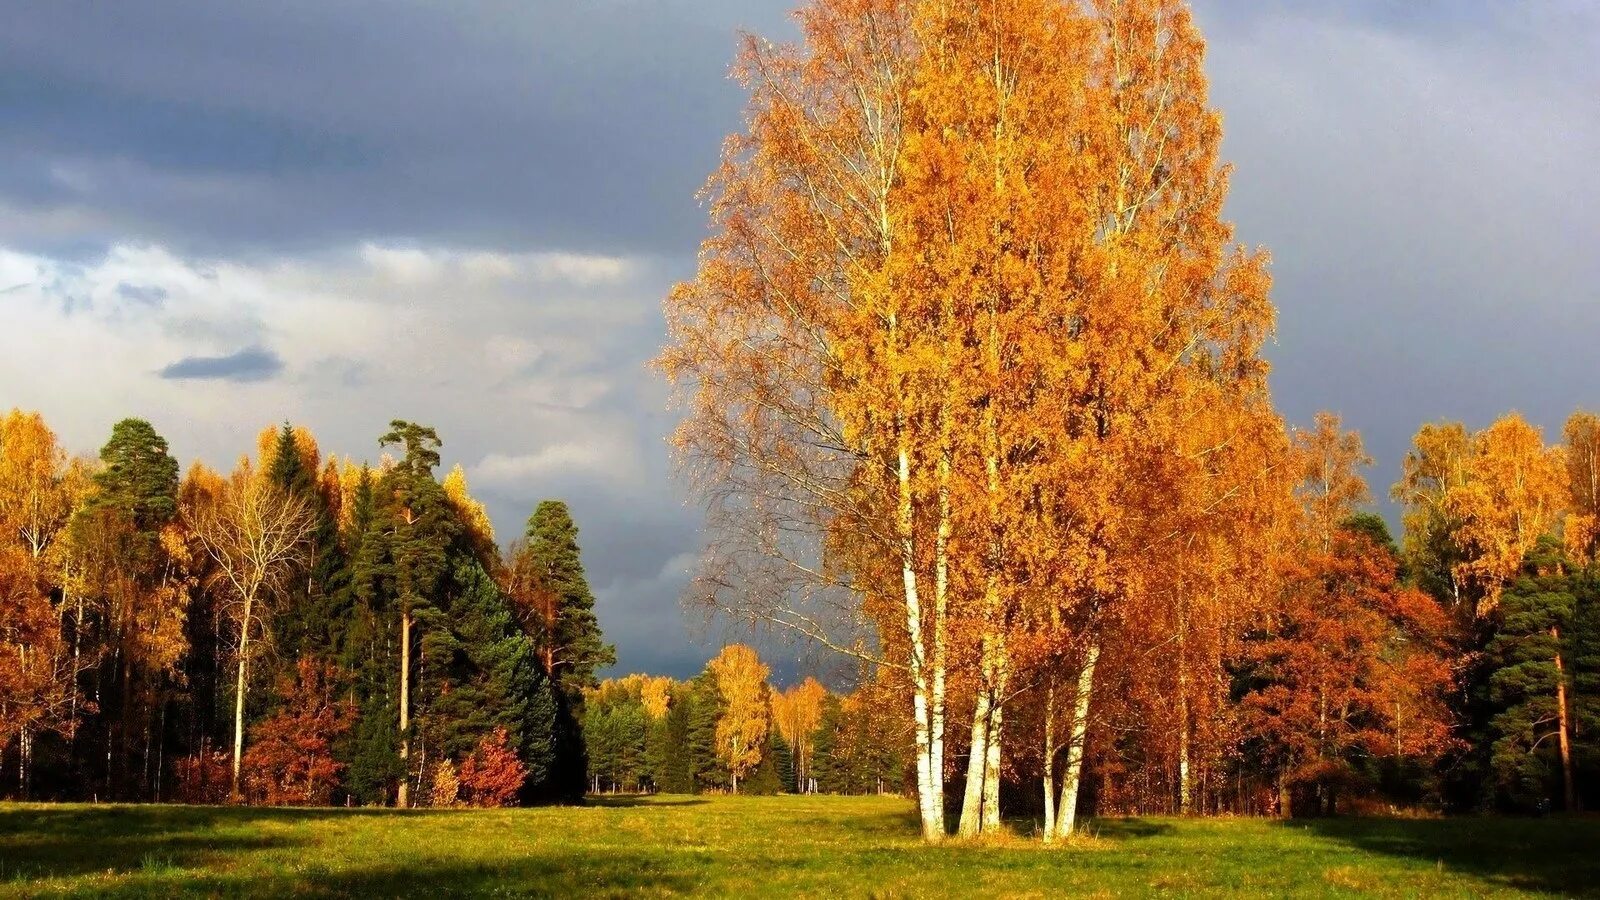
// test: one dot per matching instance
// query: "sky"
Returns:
(338, 212)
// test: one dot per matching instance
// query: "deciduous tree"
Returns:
(255, 534)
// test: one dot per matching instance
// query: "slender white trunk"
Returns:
(239, 689)
(1049, 778)
(1185, 790)
(941, 600)
(1067, 809)
(930, 791)
(977, 763)
(991, 770)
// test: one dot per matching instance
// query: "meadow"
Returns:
(764, 847)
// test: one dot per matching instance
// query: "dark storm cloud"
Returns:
(249, 364)
(578, 125)
(1422, 171)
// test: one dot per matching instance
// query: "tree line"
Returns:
(729, 730)
(974, 395)
(295, 631)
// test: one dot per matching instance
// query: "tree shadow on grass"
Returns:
(629, 801)
(1546, 855)
(1126, 829)
(172, 850)
(546, 874)
(44, 843)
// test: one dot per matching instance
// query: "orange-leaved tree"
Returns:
(291, 761)
(493, 775)
(1514, 491)
(746, 714)
(967, 286)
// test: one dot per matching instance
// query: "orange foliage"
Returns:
(493, 775)
(742, 682)
(290, 761)
(1581, 529)
(1349, 662)
(1515, 489)
(203, 777)
(795, 713)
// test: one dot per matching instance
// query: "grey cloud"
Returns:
(147, 295)
(573, 125)
(249, 364)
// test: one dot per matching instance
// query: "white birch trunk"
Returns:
(1049, 778)
(930, 793)
(1067, 809)
(238, 691)
(977, 762)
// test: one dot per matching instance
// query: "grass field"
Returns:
(752, 847)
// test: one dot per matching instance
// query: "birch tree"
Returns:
(255, 535)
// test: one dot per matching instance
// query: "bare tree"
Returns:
(256, 534)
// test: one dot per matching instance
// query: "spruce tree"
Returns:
(705, 764)
(567, 632)
(316, 617)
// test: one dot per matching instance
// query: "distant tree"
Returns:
(420, 528)
(1434, 469)
(493, 775)
(485, 676)
(746, 712)
(319, 597)
(831, 767)
(40, 667)
(546, 579)
(669, 758)
(1330, 484)
(290, 761)
(1349, 666)
(704, 763)
(138, 478)
(796, 713)
(477, 528)
(1581, 529)
(1515, 489)
(127, 562)
(767, 777)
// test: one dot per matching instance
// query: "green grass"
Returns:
(755, 847)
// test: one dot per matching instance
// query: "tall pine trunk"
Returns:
(403, 795)
(1568, 790)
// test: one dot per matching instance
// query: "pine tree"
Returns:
(767, 778)
(706, 771)
(423, 529)
(671, 767)
(139, 478)
(556, 601)
(782, 756)
(828, 766)
(1531, 686)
